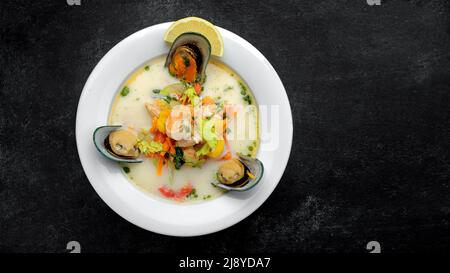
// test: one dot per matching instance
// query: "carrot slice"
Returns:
(166, 192)
(171, 147)
(197, 88)
(166, 146)
(159, 137)
(159, 167)
(184, 191)
(176, 194)
(154, 123)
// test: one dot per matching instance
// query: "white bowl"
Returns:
(142, 209)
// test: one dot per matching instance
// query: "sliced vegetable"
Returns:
(192, 95)
(209, 133)
(166, 192)
(198, 88)
(204, 150)
(154, 128)
(161, 122)
(176, 194)
(171, 147)
(173, 89)
(159, 166)
(217, 151)
(147, 147)
(190, 157)
(159, 137)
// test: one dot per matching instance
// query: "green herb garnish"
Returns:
(126, 169)
(192, 194)
(243, 87)
(156, 91)
(228, 88)
(248, 99)
(125, 91)
(147, 68)
(178, 158)
(207, 196)
(167, 99)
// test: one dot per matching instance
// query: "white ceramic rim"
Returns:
(150, 212)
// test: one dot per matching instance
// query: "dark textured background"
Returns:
(369, 88)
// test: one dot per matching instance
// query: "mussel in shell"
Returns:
(117, 143)
(239, 174)
(188, 57)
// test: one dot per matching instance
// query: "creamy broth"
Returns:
(222, 84)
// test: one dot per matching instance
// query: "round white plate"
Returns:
(151, 213)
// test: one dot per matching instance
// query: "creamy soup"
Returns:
(225, 87)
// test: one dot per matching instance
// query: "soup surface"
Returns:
(224, 86)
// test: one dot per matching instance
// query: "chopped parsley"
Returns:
(126, 169)
(192, 194)
(248, 99)
(243, 87)
(205, 197)
(125, 91)
(228, 88)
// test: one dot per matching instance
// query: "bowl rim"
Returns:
(152, 224)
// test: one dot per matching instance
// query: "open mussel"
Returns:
(239, 174)
(117, 143)
(188, 57)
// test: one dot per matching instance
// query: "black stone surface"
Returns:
(369, 88)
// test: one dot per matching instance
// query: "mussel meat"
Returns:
(231, 172)
(122, 143)
(239, 174)
(188, 57)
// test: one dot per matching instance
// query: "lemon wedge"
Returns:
(198, 25)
